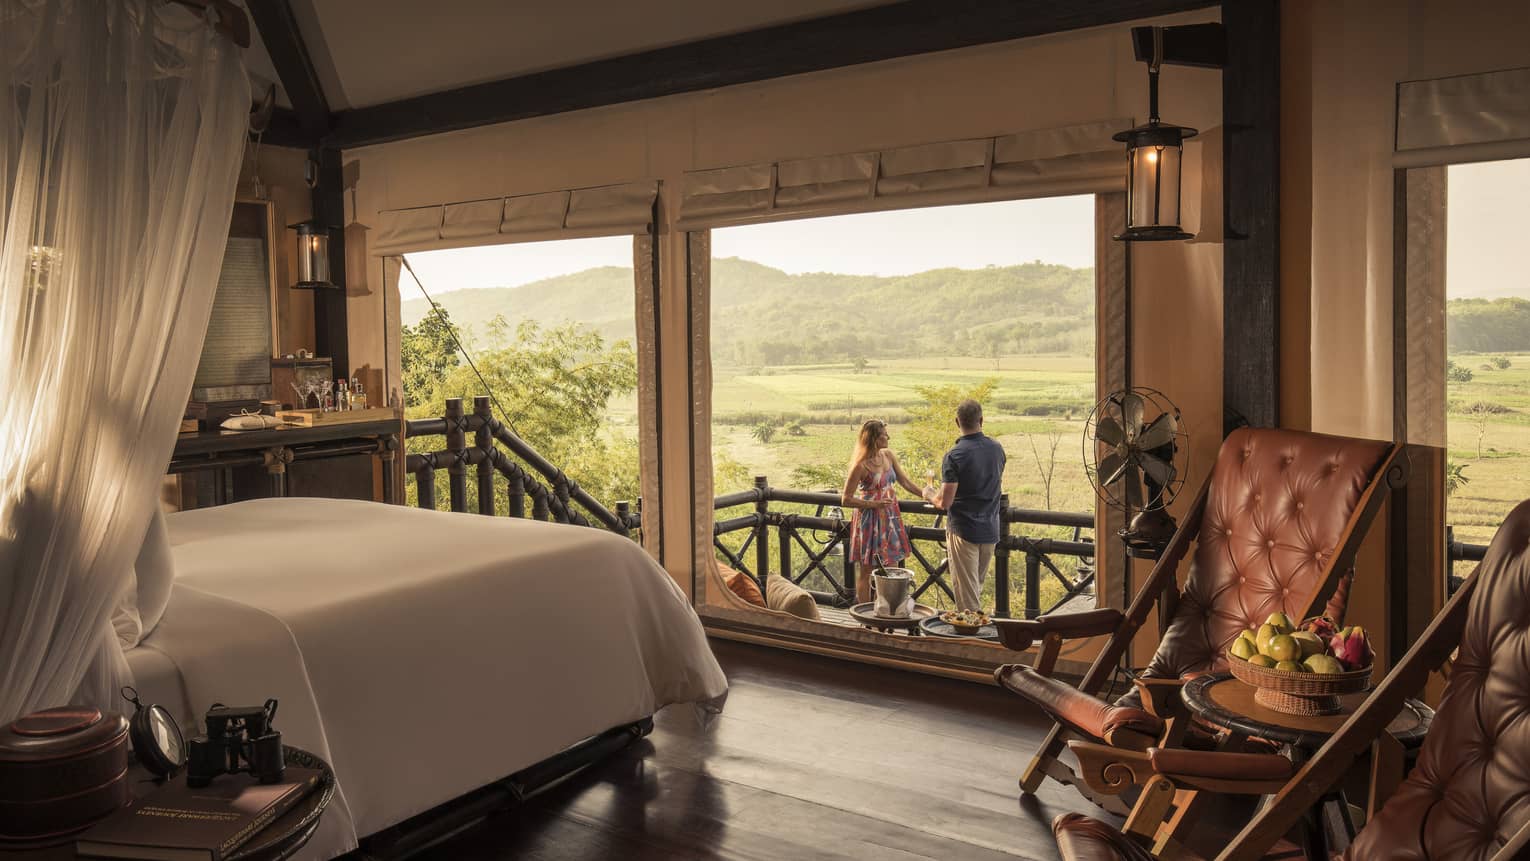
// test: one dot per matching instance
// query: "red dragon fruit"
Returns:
(1322, 626)
(1352, 648)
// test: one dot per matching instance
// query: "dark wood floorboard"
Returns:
(813, 758)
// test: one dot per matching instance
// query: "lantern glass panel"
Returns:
(313, 258)
(1154, 172)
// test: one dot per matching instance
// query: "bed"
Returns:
(423, 654)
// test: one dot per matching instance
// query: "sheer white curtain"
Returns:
(121, 130)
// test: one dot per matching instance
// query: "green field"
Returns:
(1497, 476)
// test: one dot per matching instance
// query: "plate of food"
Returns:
(962, 624)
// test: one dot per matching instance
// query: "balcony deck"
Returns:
(813, 758)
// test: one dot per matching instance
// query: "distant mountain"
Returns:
(763, 316)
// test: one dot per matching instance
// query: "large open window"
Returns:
(1487, 341)
(546, 332)
(820, 324)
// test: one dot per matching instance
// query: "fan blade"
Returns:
(1133, 485)
(1110, 468)
(1107, 430)
(1159, 432)
(1156, 469)
(1131, 414)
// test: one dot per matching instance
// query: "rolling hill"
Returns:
(764, 316)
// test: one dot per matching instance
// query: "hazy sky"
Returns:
(1487, 229)
(1054, 230)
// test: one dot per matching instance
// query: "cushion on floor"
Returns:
(786, 596)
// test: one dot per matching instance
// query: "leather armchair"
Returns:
(1467, 796)
(1275, 528)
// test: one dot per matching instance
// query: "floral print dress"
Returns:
(877, 534)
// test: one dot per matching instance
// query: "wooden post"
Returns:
(784, 538)
(844, 546)
(761, 541)
(1032, 583)
(425, 486)
(456, 444)
(624, 511)
(483, 438)
(1001, 561)
(517, 494)
(387, 452)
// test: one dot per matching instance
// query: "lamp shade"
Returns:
(312, 257)
(1154, 153)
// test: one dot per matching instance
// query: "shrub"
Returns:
(1501, 363)
(1037, 410)
(764, 432)
(1456, 373)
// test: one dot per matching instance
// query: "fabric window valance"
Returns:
(610, 209)
(1464, 118)
(1071, 159)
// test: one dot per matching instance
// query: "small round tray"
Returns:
(1299, 693)
(938, 627)
(862, 613)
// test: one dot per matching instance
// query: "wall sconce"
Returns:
(1155, 151)
(312, 256)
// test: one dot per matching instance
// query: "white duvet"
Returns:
(423, 654)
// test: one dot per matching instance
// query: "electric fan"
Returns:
(1135, 457)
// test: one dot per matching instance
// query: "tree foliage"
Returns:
(427, 353)
(932, 426)
(1488, 325)
(554, 385)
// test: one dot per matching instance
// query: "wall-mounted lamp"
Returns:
(1154, 152)
(312, 256)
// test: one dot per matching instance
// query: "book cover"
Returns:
(179, 823)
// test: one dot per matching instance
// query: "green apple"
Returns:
(1290, 667)
(1249, 635)
(1262, 661)
(1284, 648)
(1282, 621)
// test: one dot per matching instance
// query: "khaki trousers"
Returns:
(969, 567)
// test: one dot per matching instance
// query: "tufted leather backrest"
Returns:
(1276, 512)
(1470, 792)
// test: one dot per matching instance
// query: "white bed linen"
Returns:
(423, 654)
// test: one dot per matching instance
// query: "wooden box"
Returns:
(315, 418)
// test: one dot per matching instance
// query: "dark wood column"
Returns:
(1251, 179)
(331, 338)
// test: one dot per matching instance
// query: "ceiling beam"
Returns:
(865, 36)
(279, 32)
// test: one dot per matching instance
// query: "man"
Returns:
(971, 475)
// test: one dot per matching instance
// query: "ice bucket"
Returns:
(893, 592)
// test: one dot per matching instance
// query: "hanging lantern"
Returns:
(1154, 154)
(312, 257)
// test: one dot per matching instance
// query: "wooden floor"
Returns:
(812, 758)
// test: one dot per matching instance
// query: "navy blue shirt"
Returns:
(976, 466)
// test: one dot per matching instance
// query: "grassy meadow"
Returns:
(1492, 445)
(1039, 400)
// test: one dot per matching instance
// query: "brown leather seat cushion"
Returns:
(1470, 792)
(1275, 514)
(1082, 712)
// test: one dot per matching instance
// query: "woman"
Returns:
(877, 535)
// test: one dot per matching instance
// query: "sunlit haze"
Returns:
(898, 242)
(1486, 227)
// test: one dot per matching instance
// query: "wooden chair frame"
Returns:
(1162, 592)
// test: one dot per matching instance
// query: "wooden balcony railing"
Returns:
(480, 444)
(495, 450)
(828, 529)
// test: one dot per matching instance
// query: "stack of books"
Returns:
(179, 823)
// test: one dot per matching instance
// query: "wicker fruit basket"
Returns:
(1295, 693)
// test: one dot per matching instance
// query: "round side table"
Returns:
(279, 840)
(863, 613)
(1223, 701)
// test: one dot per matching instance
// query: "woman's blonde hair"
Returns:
(866, 440)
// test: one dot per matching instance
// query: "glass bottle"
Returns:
(342, 398)
(358, 395)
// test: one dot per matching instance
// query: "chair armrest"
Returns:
(1238, 773)
(1019, 634)
(1160, 697)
